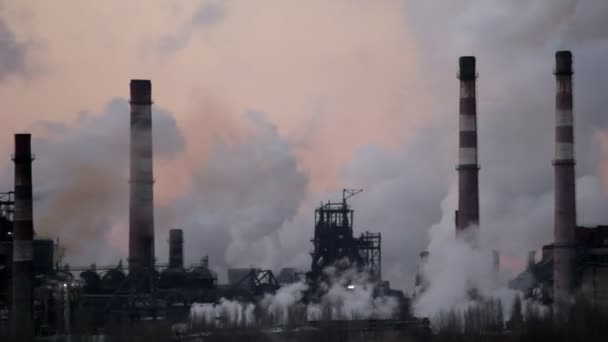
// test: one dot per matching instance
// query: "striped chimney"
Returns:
(565, 195)
(23, 234)
(467, 216)
(141, 196)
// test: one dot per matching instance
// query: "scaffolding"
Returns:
(371, 252)
(334, 244)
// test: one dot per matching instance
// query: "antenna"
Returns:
(348, 193)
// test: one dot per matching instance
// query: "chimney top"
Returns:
(141, 91)
(467, 68)
(563, 63)
(22, 145)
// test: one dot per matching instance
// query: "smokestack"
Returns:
(176, 248)
(141, 196)
(565, 202)
(496, 260)
(467, 216)
(23, 234)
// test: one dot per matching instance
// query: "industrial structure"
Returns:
(467, 215)
(141, 195)
(44, 296)
(576, 263)
(565, 194)
(23, 234)
(334, 243)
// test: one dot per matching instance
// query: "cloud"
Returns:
(515, 43)
(241, 196)
(12, 53)
(207, 14)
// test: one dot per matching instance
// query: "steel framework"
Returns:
(334, 244)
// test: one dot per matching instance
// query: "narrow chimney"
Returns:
(496, 260)
(23, 234)
(565, 203)
(176, 249)
(141, 196)
(467, 216)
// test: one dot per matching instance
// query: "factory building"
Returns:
(590, 279)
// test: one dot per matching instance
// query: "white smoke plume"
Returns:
(348, 296)
(241, 196)
(226, 313)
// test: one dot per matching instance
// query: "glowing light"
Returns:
(351, 287)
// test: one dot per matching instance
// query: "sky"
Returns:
(263, 109)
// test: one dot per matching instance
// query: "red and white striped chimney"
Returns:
(467, 216)
(565, 193)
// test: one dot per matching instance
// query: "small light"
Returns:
(351, 287)
(65, 285)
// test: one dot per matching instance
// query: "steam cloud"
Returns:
(349, 296)
(241, 196)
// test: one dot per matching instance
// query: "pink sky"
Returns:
(333, 76)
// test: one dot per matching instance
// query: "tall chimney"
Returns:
(23, 234)
(467, 216)
(565, 195)
(141, 196)
(176, 248)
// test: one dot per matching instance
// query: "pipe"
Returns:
(176, 249)
(23, 234)
(467, 216)
(141, 196)
(565, 192)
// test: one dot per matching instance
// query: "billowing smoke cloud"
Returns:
(81, 179)
(514, 43)
(404, 188)
(241, 196)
